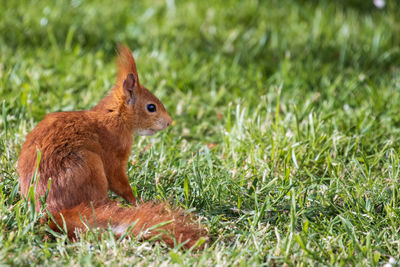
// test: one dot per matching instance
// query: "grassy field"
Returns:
(286, 129)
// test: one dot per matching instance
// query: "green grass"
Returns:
(286, 134)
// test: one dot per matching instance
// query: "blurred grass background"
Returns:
(286, 135)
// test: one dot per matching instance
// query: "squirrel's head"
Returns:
(143, 110)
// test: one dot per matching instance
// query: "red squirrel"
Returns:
(85, 153)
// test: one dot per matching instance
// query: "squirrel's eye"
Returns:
(151, 108)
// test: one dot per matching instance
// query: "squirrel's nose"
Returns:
(169, 121)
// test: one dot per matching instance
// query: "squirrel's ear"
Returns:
(128, 87)
(126, 64)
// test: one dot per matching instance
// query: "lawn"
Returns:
(286, 133)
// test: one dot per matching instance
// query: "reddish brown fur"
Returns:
(85, 154)
(141, 218)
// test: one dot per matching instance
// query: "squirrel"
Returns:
(85, 154)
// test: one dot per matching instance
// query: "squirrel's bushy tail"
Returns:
(170, 223)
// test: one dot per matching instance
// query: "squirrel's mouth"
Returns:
(146, 132)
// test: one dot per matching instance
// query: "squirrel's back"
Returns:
(61, 140)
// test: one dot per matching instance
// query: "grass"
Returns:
(286, 134)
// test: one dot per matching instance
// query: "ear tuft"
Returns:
(128, 86)
(126, 64)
